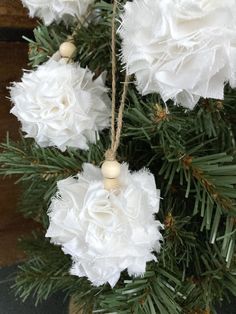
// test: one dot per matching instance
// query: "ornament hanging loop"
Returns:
(111, 168)
(110, 155)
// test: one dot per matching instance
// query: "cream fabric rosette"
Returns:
(61, 105)
(54, 10)
(182, 49)
(105, 232)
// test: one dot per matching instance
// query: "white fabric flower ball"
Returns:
(55, 10)
(181, 49)
(61, 105)
(105, 232)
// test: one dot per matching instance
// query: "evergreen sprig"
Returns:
(27, 159)
(46, 42)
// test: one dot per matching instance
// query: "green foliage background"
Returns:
(193, 157)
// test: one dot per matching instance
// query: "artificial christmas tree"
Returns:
(108, 226)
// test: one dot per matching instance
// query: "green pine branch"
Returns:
(29, 161)
(47, 271)
(46, 42)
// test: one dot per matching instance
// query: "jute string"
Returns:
(116, 129)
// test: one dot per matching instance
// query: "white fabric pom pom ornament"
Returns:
(106, 232)
(182, 49)
(61, 105)
(56, 10)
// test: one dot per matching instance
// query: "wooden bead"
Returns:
(111, 169)
(111, 184)
(67, 49)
